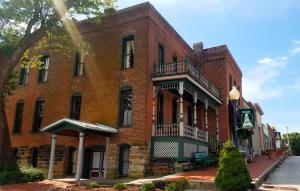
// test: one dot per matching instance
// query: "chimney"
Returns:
(198, 55)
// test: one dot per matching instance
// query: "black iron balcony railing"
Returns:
(178, 68)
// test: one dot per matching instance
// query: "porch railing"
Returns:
(214, 145)
(168, 130)
(181, 67)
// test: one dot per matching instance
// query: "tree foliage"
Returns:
(232, 172)
(294, 139)
(29, 28)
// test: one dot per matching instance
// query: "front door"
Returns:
(71, 161)
(97, 164)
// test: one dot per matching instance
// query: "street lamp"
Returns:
(234, 96)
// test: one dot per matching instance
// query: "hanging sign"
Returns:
(247, 119)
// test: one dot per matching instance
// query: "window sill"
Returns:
(124, 69)
(36, 132)
(42, 82)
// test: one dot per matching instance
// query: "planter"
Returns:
(280, 152)
(272, 154)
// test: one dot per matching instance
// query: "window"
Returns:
(75, 106)
(43, 71)
(79, 64)
(126, 107)
(161, 55)
(18, 117)
(34, 157)
(174, 110)
(128, 52)
(190, 117)
(124, 159)
(23, 80)
(160, 109)
(174, 61)
(38, 115)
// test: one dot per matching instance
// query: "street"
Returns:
(285, 177)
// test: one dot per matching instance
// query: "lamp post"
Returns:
(234, 96)
(288, 140)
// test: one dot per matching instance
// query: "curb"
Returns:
(256, 183)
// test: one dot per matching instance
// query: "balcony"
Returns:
(172, 130)
(182, 68)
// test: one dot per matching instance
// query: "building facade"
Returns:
(140, 93)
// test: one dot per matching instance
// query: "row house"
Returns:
(140, 93)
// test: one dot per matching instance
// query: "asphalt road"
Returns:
(287, 174)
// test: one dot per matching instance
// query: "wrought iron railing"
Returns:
(177, 68)
(214, 145)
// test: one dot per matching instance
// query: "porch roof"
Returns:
(66, 124)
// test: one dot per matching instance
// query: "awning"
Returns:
(71, 127)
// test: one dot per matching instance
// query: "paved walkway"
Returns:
(256, 168)
(287, 174)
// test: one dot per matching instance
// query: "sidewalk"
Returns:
(256, 168)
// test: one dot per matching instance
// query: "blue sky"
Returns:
(262, 35)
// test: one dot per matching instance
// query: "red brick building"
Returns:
(141, 92)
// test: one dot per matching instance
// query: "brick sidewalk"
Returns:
(256, 168)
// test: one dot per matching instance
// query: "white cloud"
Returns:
(257, 82)
(296, 49)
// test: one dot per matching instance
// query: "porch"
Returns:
(184, 112)
(92, 161)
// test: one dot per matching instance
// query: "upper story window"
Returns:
(126, 107)
(43, 70)
(18, 116)
(174, 110)
(79, 64)
(38, 115)
(23, 79)
(190, 116)
(128, 52)
(75, 106)
(161, 54)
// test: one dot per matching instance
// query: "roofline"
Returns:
(228, 53)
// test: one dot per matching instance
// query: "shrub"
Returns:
(120, 186)
(148, 186)
(92, 185)
(180, 185)
(20, 175)
(232, 173)
(160, 184)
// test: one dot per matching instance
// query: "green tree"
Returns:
(232, 172)
(294, 139)
(27, 28)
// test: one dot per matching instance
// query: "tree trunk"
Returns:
(6, 155)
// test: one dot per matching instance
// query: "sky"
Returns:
(263, 37)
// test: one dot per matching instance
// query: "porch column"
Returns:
(153, 109)
(52, 155)
(217, 124)
(206, 119)
(195, 114)
(181, 130)
(106, 156)
(80, 156)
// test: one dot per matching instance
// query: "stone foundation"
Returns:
(112, 163)
(139, 157)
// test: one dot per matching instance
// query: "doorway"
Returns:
(93, 162)
(71, 161)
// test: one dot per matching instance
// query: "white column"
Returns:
(217, 124)
(106, 156)
(195, 114)
(80, 156)
(181, 130)
(52, 155)
(206, 118)
(153, 110)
